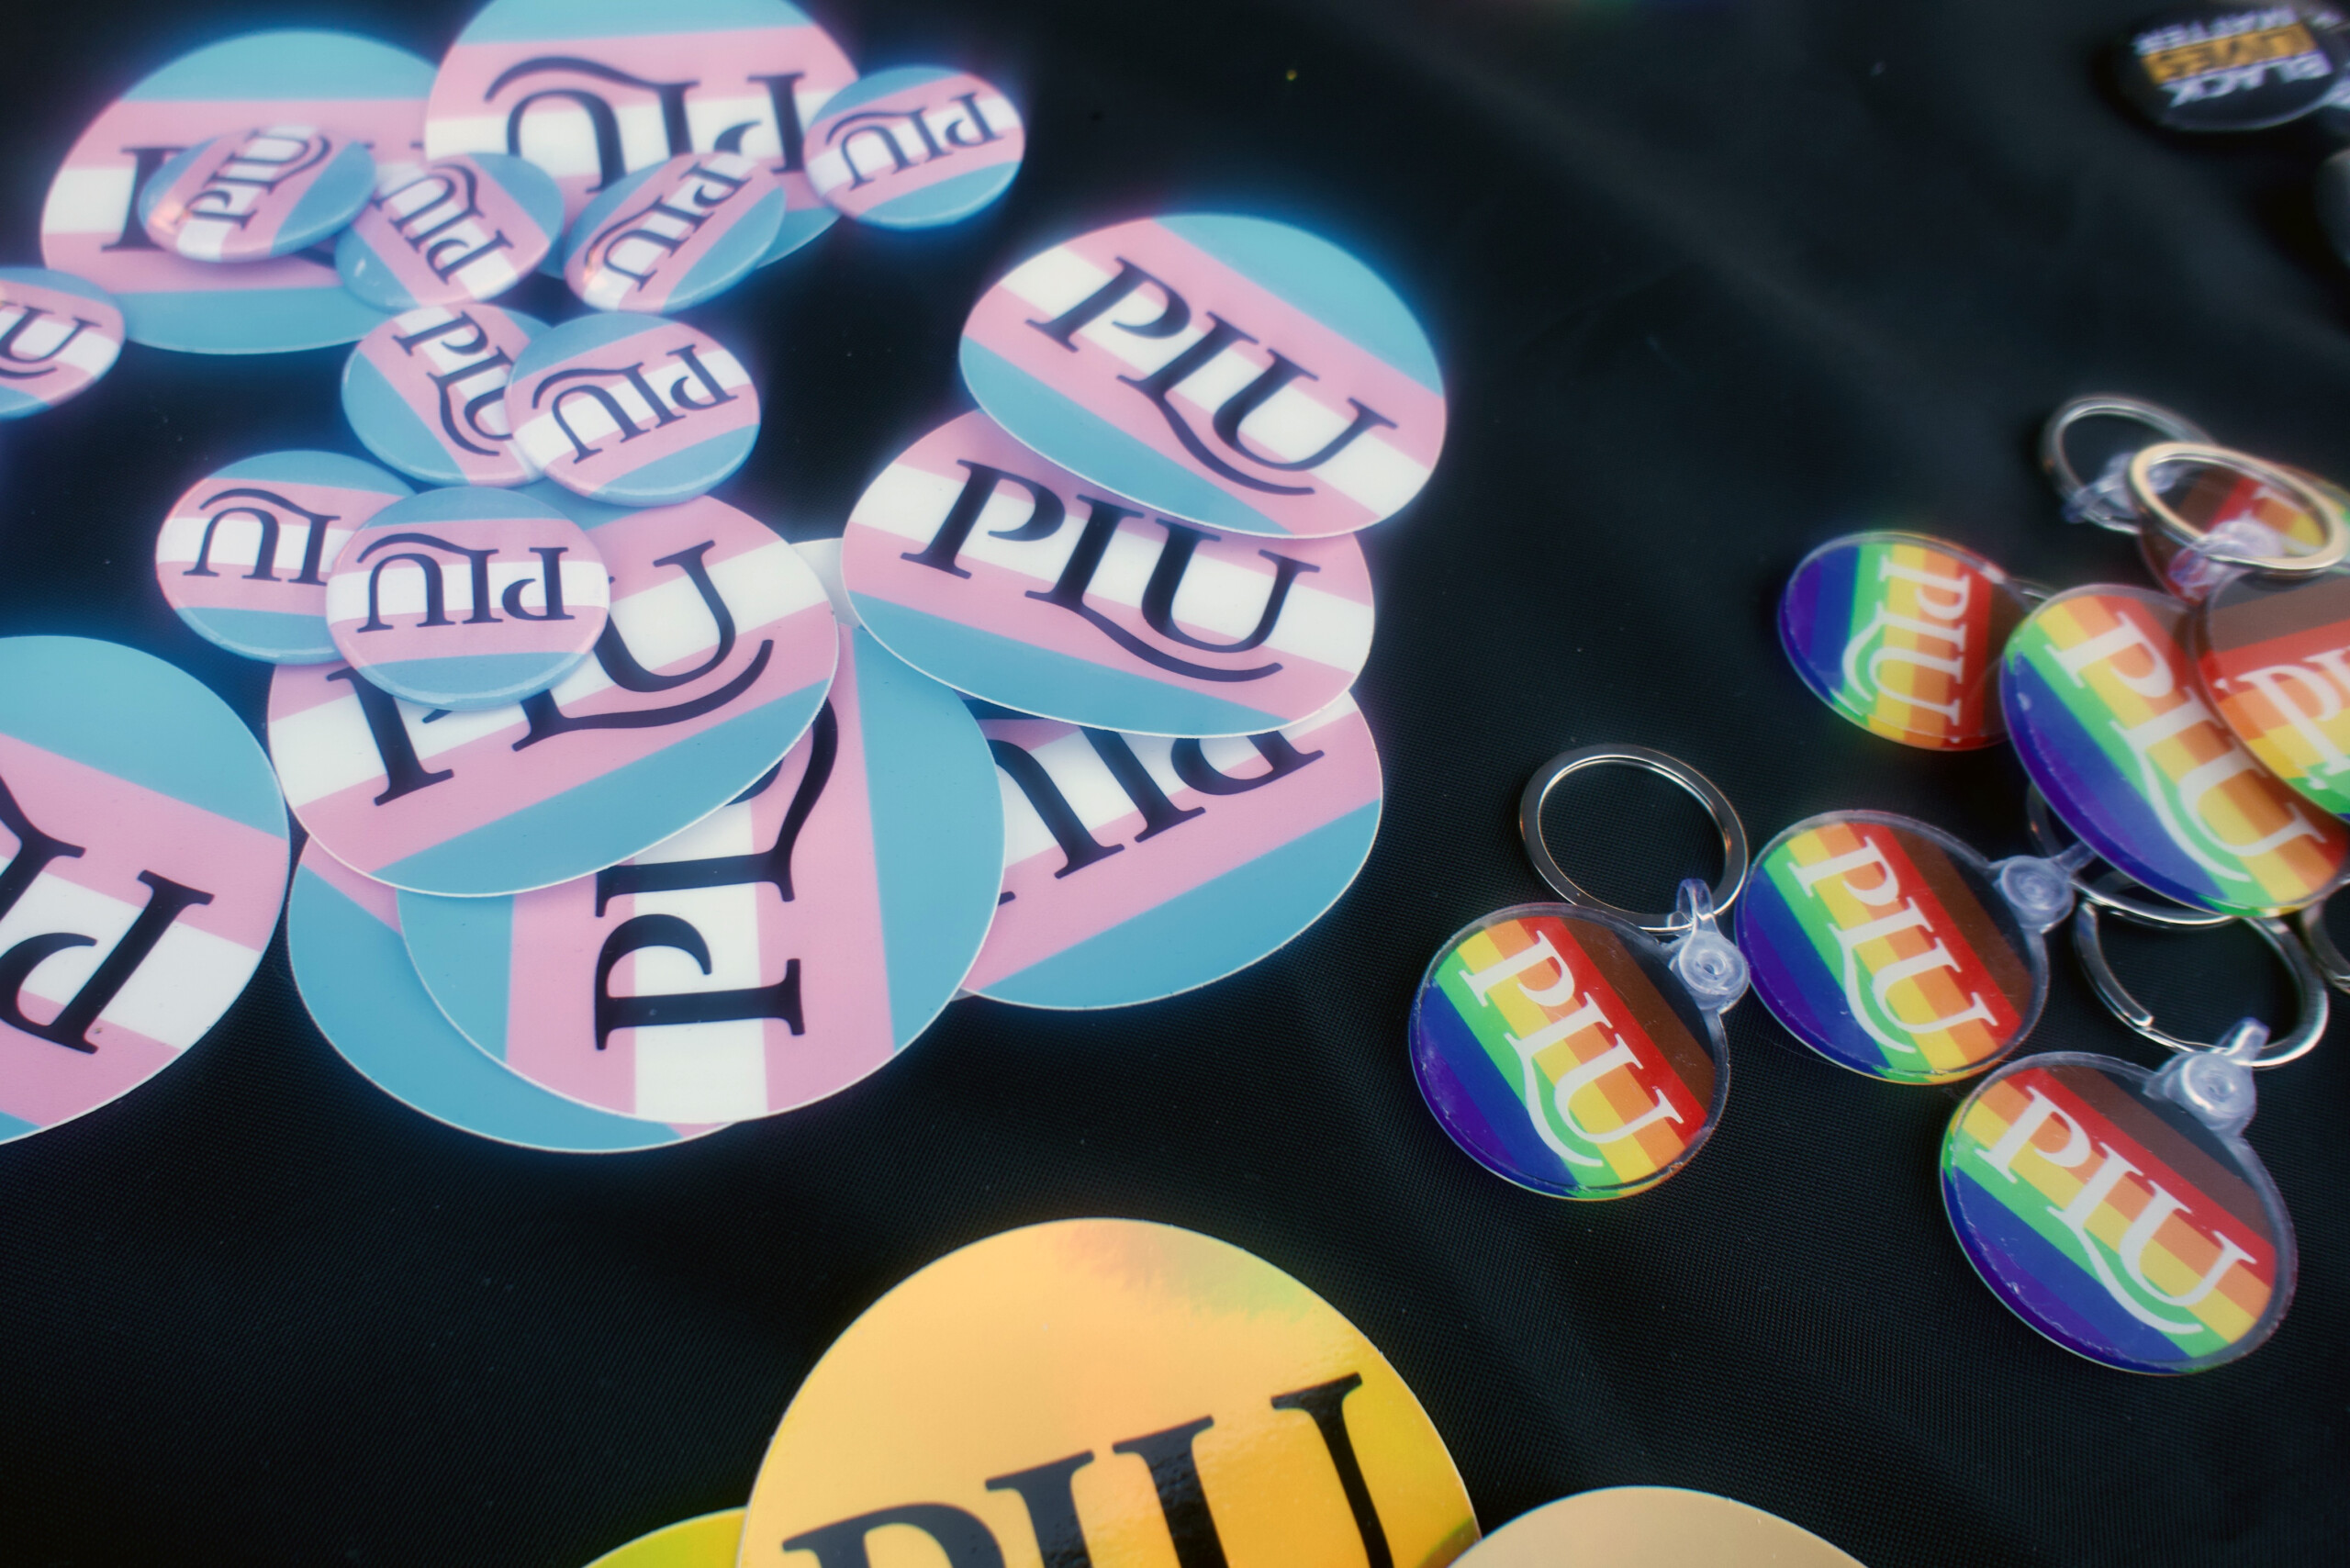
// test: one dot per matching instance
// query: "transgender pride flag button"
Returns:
(674, 235)
(915, 146)
(57, 335)
(270, 191)
(631, 410)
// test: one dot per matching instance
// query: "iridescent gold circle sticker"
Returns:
(708, 1541)
(1108, 1392)
(1652, 1527)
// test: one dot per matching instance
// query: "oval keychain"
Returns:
(1563, 1047)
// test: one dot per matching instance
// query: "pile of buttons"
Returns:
(627, 820)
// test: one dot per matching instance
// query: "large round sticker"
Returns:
(676, 235)
(244, 557)
(253, 195)
(631, 410)
(57, 335)
(1558, 1050)
(1229, 371)
(713, 1541)
(774, 953)
(451, 231)
(2271, 652)
(1135, 866)
(591, 90)
(2101, 701)
(720, 648)
(426, 392)
(1884, 945)
(1112, 1392)
(915, 146)
(1901, 634)
(977, 561)
(150, 859)
(467, 597)
(2114, 1222)
(1651, 1527)
(90, 225)
(342, 934)
(2230, 67)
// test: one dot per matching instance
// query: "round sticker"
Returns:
(1885, 945)
(90, 227)
(713, 1541)
(451, 231)
(426, 392)
(151, 857)
(465, 599)
(1901, 634)
(267, 191)
(631, 410)
(592, 91)
(2229, 67)
(1135, 866)
(915, 146)
(342, 934)
(772, 953)
(1556, 1047)
(2101, 700)
(980, 562)
(719, 646)
(244, 557)
(58, 334)
(2271, 653)
(1090, 1390)
(2114, 1222)
(1651, 1527)
(676, 235)
(1222, 370)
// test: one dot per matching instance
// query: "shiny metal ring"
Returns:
(2104, 406)
(1697, 786)
(2089, 943)
(2184, 534)
(2323, 951)
(2111, 889)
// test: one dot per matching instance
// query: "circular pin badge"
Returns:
(1086, 1384)
(450, 232)
(1135, 866)
(2230, 67)
(2100, 699)
(1886, 946)
(342, 934)
(244, 557)
(2271, 654)
(57, 335)
(2114, 1221)
(150, 861)
(426, 392)
(1227, 371)
(254, 194)
(915, 148)
(981, 564)
(1902, 633)
(774, 953)
(713, 1541)
(594, 92)
(631, 410)
(676, 235)
(465, 599)
(365, 90)
(1651, 1527)
(1556, 1047)
(720, 648)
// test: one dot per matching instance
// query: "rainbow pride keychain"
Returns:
(1561, 1045)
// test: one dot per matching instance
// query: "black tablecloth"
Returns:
(1710, 282)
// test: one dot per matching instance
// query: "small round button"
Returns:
(915, 148)
(270, 191)
(674, 235)
(631, 410)
(57, 335)
(426, 392)
(448, 231)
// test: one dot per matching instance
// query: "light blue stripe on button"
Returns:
(249, 321)
(295, 64)
(275, 636)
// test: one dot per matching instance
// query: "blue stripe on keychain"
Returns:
(1999, 1228)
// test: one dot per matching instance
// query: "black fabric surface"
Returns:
(1710, 282)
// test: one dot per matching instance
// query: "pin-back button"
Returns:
(255, 193)
(426, 392)
(2230, 67)
(915, 146)
(674, 235)
(453, 230)
(244, 557)
(631, 410)
(467, 597)
(57, 335)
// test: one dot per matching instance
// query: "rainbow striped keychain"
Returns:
(1563, 1046)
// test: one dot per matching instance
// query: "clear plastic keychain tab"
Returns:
(1576, 1048)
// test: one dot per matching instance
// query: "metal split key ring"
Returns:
(1694, 783)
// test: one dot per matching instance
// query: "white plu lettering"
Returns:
(2308, 699)
(1883, 889)
(1944, 601)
